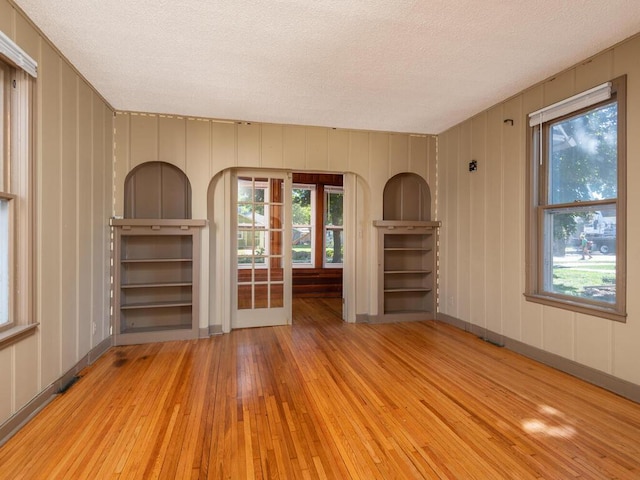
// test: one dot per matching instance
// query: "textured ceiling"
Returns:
(395, 65)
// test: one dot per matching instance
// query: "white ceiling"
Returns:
(417, 66)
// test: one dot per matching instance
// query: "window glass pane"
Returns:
(245, 214)
(4, 261)
(334, 246)
(301, 244)
(301, 241)
(583, 156)
(580, 253)
(245, 297)
(301, 206)
(333, 213)
(261, 296)
(277, 296)
(259, 243)
(244, 189)
(276, 216)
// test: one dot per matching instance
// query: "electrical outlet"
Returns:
(95, 328)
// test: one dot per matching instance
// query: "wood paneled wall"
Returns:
(203, 148)
(73, 169)
(482, 255)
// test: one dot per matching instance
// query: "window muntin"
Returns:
(577, 259)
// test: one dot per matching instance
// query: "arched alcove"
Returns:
(407, 197)
(407, 258)
(157, 190)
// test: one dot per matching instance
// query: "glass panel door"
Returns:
(263, 281)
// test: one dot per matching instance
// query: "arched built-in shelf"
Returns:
(157, 190)
(157, 258)
(407, 255)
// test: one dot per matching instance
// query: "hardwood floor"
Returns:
(325, 399)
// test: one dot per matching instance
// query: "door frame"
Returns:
(223, 298)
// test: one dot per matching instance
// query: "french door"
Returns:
(261, 255)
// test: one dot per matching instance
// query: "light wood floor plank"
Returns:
(322, 399)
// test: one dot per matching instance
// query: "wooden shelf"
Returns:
(403, 290)
(155, 260)
(156, 272)
(406, 224)
(406, 272)
(156, 285)
(163, 328)
(133, 306)
(407, 259)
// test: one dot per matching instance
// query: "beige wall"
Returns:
(203, 148)
(73, 165)
(483, 214)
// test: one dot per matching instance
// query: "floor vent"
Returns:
(492, 342)
(69, 384)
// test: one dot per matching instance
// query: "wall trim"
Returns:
(591, 375)
(31, 409)
(206, 332)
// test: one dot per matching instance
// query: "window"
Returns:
(303, 232)
(333, 228)
(577, 189)
(253, 221)
(6, 201)
(16, 231)
(317, 235)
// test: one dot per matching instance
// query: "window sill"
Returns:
(16, 334)
(608, 313)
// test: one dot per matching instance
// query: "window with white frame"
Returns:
(303, 214)
(577, 247)
(333, 227)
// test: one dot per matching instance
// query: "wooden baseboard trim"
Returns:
(588, 374)
(207, 332)
(31, 409)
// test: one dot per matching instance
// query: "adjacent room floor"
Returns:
(325, 399)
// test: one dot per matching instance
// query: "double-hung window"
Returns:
(333, 227)
(303, 231)
(317, 235)
(16, 230)
(576, 227)
(6, 202)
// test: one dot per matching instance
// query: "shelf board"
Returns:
(157, 285)
(134, 306)
(404, 290)
(400, 272)
(162, 328)
(407, 249)
(408, 312)
(157, 222)
(154, 260)
(408, 224)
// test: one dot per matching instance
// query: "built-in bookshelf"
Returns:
(407, 269)
(156, 273)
